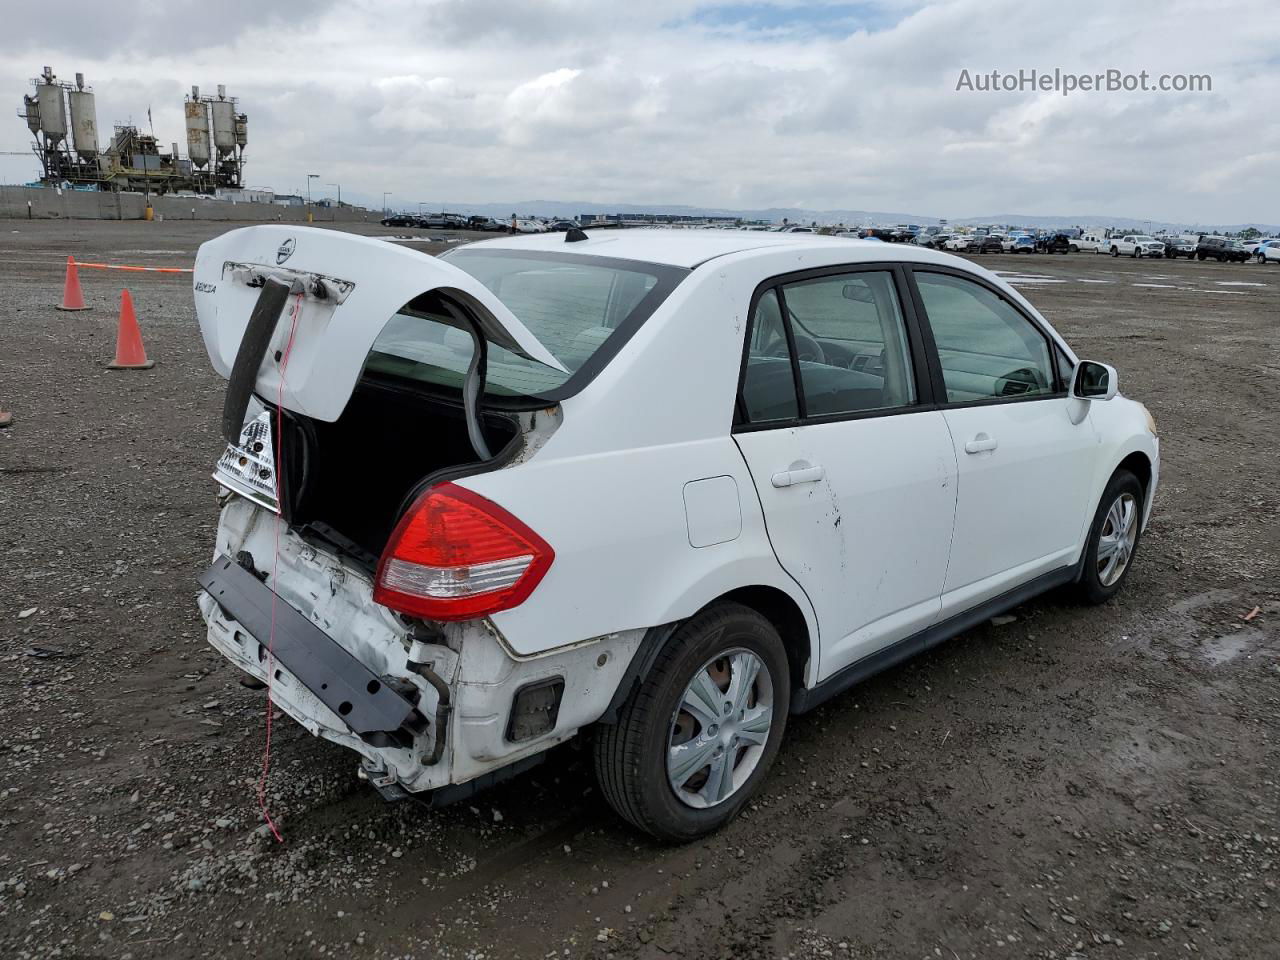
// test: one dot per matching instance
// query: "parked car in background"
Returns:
(619, 526)
(400, 220)
(1270, 252)
(959, 242)
(1259, 252)
(444, 221)
(561, 226)
(486, 224)
(1020, 243)
(1221, 249)
(1251, 246)
(1053, 243)
(1175, 247)
(991, 243)
(1136, 245)
(529, 226)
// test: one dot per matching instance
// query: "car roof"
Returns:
(683, 248)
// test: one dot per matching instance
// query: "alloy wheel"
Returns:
(720, 728)
(1118, 538)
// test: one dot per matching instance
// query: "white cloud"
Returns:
(826, 105)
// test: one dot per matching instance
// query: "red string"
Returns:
(275, 561)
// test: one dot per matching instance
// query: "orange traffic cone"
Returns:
(130, 354)
(72, 298)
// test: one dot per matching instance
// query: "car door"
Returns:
(855, 470)
(1025, 467)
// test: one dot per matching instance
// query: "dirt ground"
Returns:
(1074, 783)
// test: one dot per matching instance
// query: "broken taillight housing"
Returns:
(456, 556)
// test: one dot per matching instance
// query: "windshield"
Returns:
(1144, 239)
(580, 308)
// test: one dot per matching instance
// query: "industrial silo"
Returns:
(53, 111)
(224, 124)
(197, 129)
(31, 105)
(84, 120)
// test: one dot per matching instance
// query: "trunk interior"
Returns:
(352, 477)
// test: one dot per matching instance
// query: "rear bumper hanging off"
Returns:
(366, 704)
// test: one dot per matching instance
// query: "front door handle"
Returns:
(981, 444)
(798, 473)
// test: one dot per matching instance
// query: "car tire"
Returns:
(1221, 258)
(1115, 252)
(1072, 248)
(1119, 512)
(1200, 257)
(633, 756)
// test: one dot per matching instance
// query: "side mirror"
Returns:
(1093, 381)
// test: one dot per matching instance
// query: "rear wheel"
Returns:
(1115, 252)
(693, 743)
(1113, 539)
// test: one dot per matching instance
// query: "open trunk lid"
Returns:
(345, 288)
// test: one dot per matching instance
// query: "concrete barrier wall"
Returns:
(51, 204)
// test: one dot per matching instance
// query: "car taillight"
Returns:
(456, 556)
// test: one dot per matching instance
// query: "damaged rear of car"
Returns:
(356, 568)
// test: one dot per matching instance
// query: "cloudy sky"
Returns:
(741, 105)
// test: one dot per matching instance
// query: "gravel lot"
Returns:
(1074, 783)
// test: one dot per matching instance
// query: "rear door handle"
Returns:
(981, 444)
(799, 473)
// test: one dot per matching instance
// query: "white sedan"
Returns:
(661, 489)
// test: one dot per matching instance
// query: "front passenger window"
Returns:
(986, 347)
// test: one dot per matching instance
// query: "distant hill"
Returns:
(576, 208)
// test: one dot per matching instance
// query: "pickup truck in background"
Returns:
(1093, 241)
(1135, 245)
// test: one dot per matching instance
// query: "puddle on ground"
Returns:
(1220, 650)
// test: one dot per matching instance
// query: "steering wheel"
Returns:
(807, 348)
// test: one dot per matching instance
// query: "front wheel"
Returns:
(693, 743)
(1113, 539)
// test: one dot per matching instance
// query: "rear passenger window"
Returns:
(768, 383)
(986, 347)
(851, 342)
